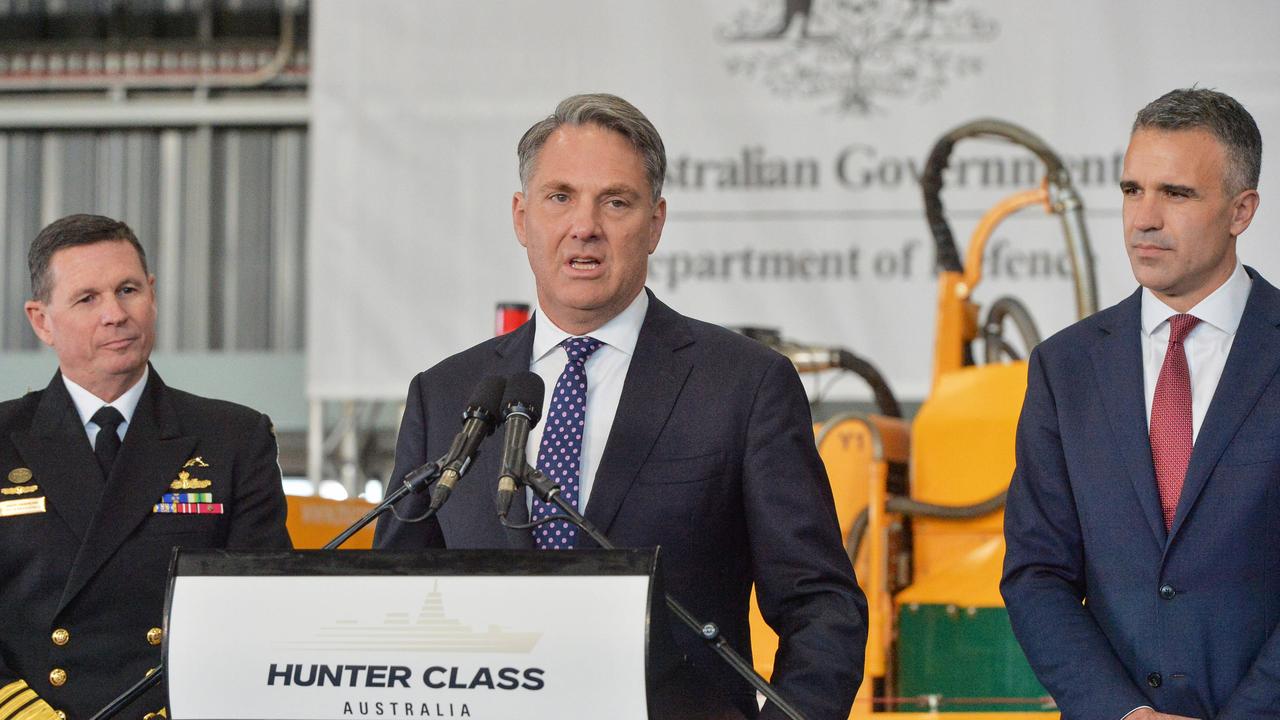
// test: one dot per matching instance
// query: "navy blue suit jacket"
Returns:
(1113, 611)
(711, 456)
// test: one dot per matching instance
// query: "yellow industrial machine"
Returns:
(314, 521)
(921, 504)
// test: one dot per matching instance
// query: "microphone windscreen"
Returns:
(487, 395)
(525, 389)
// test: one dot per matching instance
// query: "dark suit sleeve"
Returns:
(258, 508)
(1258, 694)
(1044, 573)
(411, 452)
(804, 580)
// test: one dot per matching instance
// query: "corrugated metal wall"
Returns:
(221, 214)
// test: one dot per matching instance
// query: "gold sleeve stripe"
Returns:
(8, 692)
(38, 710)
(9, 710)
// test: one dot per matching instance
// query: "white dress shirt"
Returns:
(1206, 346)
(87, 404)
(606, 372)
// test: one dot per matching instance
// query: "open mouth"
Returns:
(584, 263)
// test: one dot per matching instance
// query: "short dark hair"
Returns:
(71, 231)
(1220, 115)
(610, 112)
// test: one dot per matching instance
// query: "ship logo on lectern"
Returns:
(430, 630)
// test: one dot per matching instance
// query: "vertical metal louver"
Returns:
(220, 212)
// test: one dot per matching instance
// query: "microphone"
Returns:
(522, 408)
(478, 422)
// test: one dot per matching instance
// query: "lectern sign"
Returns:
(286, 644)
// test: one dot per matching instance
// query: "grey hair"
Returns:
(610, 112)
(73, 231)
(1220, 115)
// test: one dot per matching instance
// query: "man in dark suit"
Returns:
(694, 439)
(101, 474)
(1142, 573)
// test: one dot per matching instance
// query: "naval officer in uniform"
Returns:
(102, 473)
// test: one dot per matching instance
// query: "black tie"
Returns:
(107, 445)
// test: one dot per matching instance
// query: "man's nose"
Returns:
(113, 311)
(585, 222)
(1145, 214)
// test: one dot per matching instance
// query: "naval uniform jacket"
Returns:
(82, 582)
(710, 456)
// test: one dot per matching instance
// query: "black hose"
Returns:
(886, 403)
(948, 256)
(993, 328)
(906, 506)
(856, 533)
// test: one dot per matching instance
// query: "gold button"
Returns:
(58, 677)
(61, 636)
(155, 635)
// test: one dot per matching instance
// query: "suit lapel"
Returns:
(62, 463)
(152, 453)
(1117, 362)
(654, 380)
(1250, 367)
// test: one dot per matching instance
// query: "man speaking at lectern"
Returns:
(695, 439)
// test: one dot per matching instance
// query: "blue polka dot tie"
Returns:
(560, 453)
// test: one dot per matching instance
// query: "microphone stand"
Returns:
(146, 683)
(415, 482)
(548, 491)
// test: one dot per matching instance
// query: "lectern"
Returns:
(326, 635)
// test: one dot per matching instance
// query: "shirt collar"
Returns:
(1222, 309)
(621, 332)
(87, 403)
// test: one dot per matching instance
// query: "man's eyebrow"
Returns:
(85, 290)
(624, 190)
(556, 185)
(90, 289)
(1178, 189)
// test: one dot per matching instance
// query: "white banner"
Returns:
(322, 648)
(795, 140)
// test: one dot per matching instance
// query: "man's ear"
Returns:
(656, 222)
(39, 319)
(1242, 211)
(517, 218)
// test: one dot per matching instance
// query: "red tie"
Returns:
(1171, 418)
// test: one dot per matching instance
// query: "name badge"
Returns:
(25, 506)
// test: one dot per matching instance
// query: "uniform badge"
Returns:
(25, 506)
(188, 503)
(186, 482)
(17, 476)
(20, 490)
